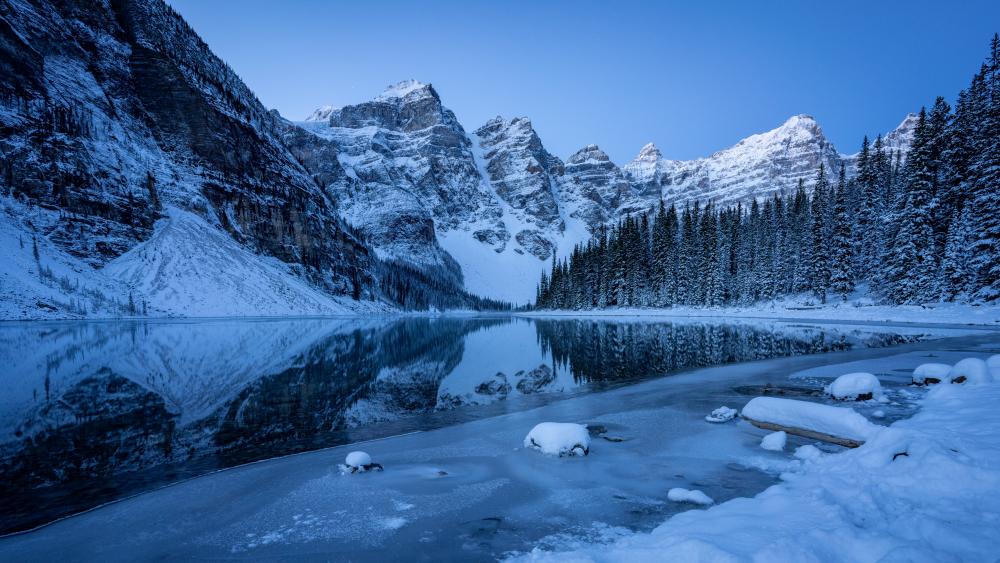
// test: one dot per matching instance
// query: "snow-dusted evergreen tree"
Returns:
(917, 231)
(819, 265)
(841, 247)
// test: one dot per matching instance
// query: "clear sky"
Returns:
(693, 77)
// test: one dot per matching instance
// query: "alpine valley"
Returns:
(140, 176)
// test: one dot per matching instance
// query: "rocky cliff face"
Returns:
(116, 116)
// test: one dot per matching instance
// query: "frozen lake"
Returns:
(92, 412)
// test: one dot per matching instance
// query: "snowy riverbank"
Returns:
(923, 489)
(938, 313)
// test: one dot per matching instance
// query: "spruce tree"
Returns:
(819, 267)
(841, 263)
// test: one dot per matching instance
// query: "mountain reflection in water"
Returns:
(93, 411)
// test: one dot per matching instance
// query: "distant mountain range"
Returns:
(495, 205)
(140, 175)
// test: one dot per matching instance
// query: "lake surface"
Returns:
(95, 411)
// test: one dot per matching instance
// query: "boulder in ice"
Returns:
(722, 414)
(559, 439)
(929, 374)
(678, 494)
(972, 370)
(359, 462)
(860, 386)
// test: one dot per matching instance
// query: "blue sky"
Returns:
(692, 77)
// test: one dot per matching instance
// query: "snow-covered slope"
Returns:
(191, 268)
(116, 116)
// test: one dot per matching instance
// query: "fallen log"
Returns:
(846, 442)
(836, 425)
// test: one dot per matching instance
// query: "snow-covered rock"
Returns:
(678, 494)
(808, 452)
(833, 421)
(358, 459)
(972, 370)
(774, 441)
(859, 386)
(722, 414)
(930, 373)
(359, 462)
(559, 439)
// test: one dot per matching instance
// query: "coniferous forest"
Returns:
(921, 229)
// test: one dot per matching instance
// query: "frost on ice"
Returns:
(972, 370)
(678, 494)
(774, 441)
(722, 414)
(860, 386)
(926, 374)
(559, 439)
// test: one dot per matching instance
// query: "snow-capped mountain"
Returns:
(757, 167)
(480, 208)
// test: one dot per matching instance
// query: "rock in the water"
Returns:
(559, 439)
(722, 414)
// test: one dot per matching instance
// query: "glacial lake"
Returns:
(92, 412)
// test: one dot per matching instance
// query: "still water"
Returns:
(95, 411)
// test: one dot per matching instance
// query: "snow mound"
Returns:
(930, 373)
(722, 414)
(808, 452)
(678, 494)
(859, 386)
(972, 370)
(834, 421)
(774, 441)
(359, 462)
(993, 362)
(559, 438)
(358, 459)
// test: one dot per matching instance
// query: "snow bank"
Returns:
(678, 494)
(559, 438)
(930, 373)
(936, 503)
(972, 370)
(993, 362)
(860, 386)
(774, 441)
(834, 421)
(722, 414)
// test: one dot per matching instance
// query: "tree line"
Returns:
(904, 231)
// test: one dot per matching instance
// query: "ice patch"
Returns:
(678, 494)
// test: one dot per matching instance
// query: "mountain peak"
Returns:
(403, 89)
(649, 152)
(589, 152)
(321, 113)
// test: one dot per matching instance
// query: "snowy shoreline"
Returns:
(923, 488)
(940, 314)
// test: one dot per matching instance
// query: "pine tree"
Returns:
(841, 264)
(819, 267)
(986, 171)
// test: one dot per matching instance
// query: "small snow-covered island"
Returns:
(266, 296)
